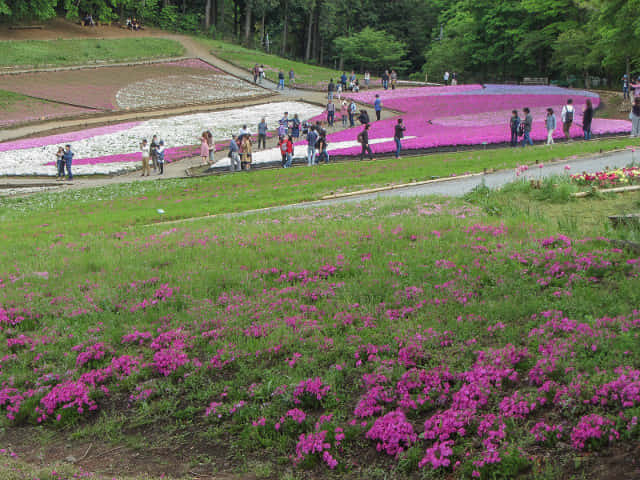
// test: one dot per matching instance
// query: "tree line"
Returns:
(481, 40)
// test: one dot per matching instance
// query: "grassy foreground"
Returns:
(79, 52)
(306, 74)
(414, 338)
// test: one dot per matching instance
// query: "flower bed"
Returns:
(471, 115)
(609, 178)
(115, 148)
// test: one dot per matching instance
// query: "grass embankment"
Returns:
(213, 346)
(38, 53)
(306, 74)
(112, 207)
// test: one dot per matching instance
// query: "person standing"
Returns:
(260, 73)
(385, 80)
(528, 125)
(587, 118)
(234, 155)
(446, 77)
(454, 79)
(331, 113)
(255, 73)
(262, 133)
(352, 113)
(367, 79)
(567, 118)
(245, 153)
(289, 152)
(282, 144)
(160, 151)
(330, 89)
(344, 113)
(625, 87)
(295, 127)
(204, 148)
(343, 81)
(514, 124)
(550, 123)
(68, 159)
(394, 79)
(363, 138)
(398, 134)
(321, 145)
(292, 78)
(377, 106)
(280, 80)
(154, 152)
(312, 138)
(212, 148)
(634, 116)
(144, 148)
(60, 164)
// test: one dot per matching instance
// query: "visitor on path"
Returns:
(244, 132)
(289, 152)
(352, 77)
(280, 80)
(295, 127)
(260, 73)
(321, 146)
(160, 151)
(367, 79)
(352, 113)
(204, 148)
(634, 116)
(255, 73)
(446, 78)
(212, 147)
(377, 106)
(551, 124)
(245, 152)
(587, 118)
(394, 79)
(527, 125)
(343, 81)
(363, 118)
(312, 138)
(234, 154)
(344, 112)
(262, 133)
(282, 145)
(567, 118)
(60, 164)
(454, 79)
(331, 113)
(330, 89)
(625, 87)
(153, 147)
(385, 80)
(144, 148)
(398, 134)
(292, 78)
(68, 159)
(339, 91)
(514, 124)
(363, 139)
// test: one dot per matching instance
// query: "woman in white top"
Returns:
(144, 148)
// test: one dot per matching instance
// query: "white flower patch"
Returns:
(183, 130)
(183, 89)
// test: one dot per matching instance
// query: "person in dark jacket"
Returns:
(363, 138)
(514, 124)
(528, 125)
(363, 117)
(397, 136)
(587, 118)
(330, 89)
(67, 156)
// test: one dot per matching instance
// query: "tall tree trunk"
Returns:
(213, 18)
(341, 64)
(262, 29)
(307, 53)
(184, 6)
(247, 21)
(587, 80)
(321, 60)
(220, 18)
(236, 20)
(285, 28)
(207, 15)
(316, 32)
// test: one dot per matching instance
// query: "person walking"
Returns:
(234, 154)
(343, 81)
(567, 118)
(204, 148)
(587, 118)
(245, 153)
(550, 123)
(377, 106)
(363, 118)
(454, 79)
(352, 113)
(514, 124)
(312, 138)
(394, 79)
(292, 78)
(262, 133)
(446, 77)
(528, 125)
(60, 164)
(295, 127)
(634, 116)
(330, 89)
(67, 156)
(289, 152)
(280, 80)
(367, 79)
(212, 148)
(385, 80)
(398, 134)
(160, 151)
(331, 113)
(260, 73)
(344, 113)
(625, 87)
(255, 73)
(363, 139)
(144, 148)
(282, 145)
(153, 147)
(321, 146)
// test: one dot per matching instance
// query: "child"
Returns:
(551, 125)
(144, 148)
(60, 164)
(160, 152)
(282, 143)
(204, 149)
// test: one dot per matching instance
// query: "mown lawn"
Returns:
(78, 52)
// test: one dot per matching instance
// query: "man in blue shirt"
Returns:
(377, 106)
(280, 80)
(233, 155)
(312, 138)
(67, 156)
(343, 80)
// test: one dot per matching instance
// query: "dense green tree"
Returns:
(372, 49)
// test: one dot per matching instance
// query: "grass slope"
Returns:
(306, 74)
(80, 52)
